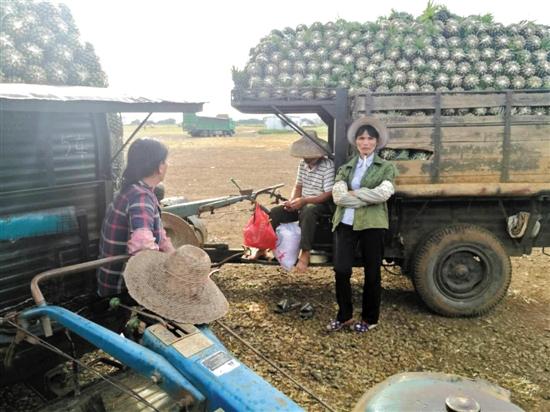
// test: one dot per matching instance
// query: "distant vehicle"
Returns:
(200, 126)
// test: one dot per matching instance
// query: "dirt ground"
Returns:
(510, 346)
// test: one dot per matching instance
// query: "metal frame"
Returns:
(332, 111)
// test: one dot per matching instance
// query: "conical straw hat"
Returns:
(369, 121)
(306, 148)
(176, 285)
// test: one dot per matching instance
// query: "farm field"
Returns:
(510, 346)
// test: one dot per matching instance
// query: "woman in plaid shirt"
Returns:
(133, 219)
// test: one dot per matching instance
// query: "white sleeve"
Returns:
(379, 194)
(342, 197)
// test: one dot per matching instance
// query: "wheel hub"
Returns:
(462, 271)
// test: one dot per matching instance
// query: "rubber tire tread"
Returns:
(435, 244)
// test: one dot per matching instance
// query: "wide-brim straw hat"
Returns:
(369, 121)
(177, 286)
(179, 231)
(305, 148)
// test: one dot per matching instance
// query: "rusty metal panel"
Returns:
(49, 160)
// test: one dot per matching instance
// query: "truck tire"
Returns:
(461, 270)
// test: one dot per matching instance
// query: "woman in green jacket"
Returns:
(363, 185)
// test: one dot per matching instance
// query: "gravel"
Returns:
(510, 346)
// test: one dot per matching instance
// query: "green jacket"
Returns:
(371, 216)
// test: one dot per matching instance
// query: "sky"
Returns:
(185, 49)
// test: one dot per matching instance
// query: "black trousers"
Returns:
(308, 216)
(371, 245)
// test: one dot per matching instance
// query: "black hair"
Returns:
(371, 131)
(144, 159)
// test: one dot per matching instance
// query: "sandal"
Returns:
(306, 311)
(362, 327)
(285, 305)
(336, 325)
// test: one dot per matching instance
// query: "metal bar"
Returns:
(123, 388)
(132, 136)
(285, 119)
(139, 358)
(59, 220)
(58, 272)
(341, 117)
(436, 139)
(299, 130)
(506, 144)
(369, 103)
(68, 270)
(50, 189)
(86, 106)
(273, 364)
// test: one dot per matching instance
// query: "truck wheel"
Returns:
(461, 270)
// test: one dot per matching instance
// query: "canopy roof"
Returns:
(38, 97)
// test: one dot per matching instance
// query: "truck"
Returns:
(57, 166)
(472, 190)
(201, 126)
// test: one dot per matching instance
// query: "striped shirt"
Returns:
(318, 180)
(135, 208)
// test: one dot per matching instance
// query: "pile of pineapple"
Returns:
(398, 53)
(40, 44)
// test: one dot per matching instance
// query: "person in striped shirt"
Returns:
(132, 222)
(311, 196)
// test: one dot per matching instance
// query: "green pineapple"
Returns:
(56, 73)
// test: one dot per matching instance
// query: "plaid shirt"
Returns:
(135, 208)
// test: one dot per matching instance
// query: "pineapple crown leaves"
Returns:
(487, 18)
(240, 77)
(430, 12)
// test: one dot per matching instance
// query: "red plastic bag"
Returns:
(258, 231)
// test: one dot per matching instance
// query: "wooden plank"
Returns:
(413, 171)
(473, 135)
(457, 101)
(401, 102)
(531, 120)
(465, 101)
(410, 144)
(396, 121)
(529, 178)
(531, 99)
(530, 134)
(472, 189)
(421, 136)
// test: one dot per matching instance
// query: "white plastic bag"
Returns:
(288, 244)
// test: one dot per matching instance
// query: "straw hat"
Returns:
(179, 231)
(305, 148)
(176, 285)
(369, 121)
